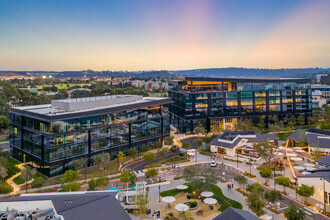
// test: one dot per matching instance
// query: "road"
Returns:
(139, 165)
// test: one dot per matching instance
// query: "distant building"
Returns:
(53, 136)
(65, 206)
(215, 103)
(320, 94)
(233, 142)
(318, 77)
(316, 139)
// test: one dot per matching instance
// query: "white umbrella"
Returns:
(279, 154)
(210, 201)
(207, 194)
(168, 199)
(310, 168)
(181, 207)
(300, 151)
(299, 167)
(309, 165)
(289, 149)
(296, 159)
(182, 187)
(297, 148)
(305, 173)
(281, 148)
(291, 155)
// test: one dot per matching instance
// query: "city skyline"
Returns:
(171, 35)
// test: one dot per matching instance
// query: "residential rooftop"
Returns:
(60, 109)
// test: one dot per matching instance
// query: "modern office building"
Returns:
(219, 103)
(53, 135)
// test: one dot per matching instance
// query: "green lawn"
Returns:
(218, 195)
(19, 180)
(12, 170)
(283, 136)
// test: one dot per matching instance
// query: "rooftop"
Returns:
(314, 137)
(76, 205)
(229, 139)
(235, 214)
(61, 109)
(247, 79)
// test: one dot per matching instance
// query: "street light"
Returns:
(324, 195)
(159, 192)
(274, 175)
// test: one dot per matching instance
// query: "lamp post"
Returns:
(196, 155)
(274, 174)
(237, 158)
(324, 195)
(250, 161)
(159, 192)
(296, 187)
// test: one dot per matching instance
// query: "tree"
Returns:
(3, 172)
(151, 173)
(38, 182)
(255, 204)
(241, 180)
(207, 139)
(101, 160)
(168, 140)
(80, 164)
(294, 213)
(261, 123)
(255, 188)
(149, 157)
(199, 130)
(4, 122)
(273, 196)
(91, 185)
(301, 120)
(200, 177)
(128, 177)
(120, 157)
(133, 152)
(145, 148)
(198, 142)
(162, 153)
(305, 191)
(266, 150)
(158, 144)
(292, 121)
(186, 145)
(141, 200)
(283, 181)
(69, 176)
(27, 174)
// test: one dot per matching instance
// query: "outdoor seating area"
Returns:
(180, 208)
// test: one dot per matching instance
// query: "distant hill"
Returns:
(212, 72)
(245, 72)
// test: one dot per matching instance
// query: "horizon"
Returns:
(159, 35)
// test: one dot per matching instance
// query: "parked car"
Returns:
(213, 163)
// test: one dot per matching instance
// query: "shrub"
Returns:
(5, 188)
(265, 172)
(38, 182)
(186, 145)
(248, 174)
(207, 139)
(69, 176)
(144, 148)
(70, 187)
(198, 142)
(174, 149)
(168, 140)
(91, 185)
(102, 181)
(158, 144)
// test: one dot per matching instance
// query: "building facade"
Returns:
(52, 136)
(219, 103)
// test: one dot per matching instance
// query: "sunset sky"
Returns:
(163, 34)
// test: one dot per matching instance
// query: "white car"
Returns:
(213, 163)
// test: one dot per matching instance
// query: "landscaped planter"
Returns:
(193, 207)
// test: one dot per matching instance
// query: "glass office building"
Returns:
(52, 136)
(219, 103)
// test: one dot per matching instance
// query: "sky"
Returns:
(163, 34)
